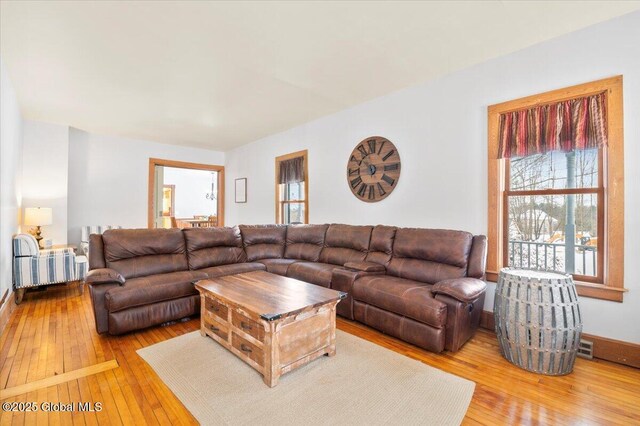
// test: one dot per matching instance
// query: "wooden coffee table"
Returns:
(273, 323)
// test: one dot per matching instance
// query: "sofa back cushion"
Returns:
(430, 255)
(263, 241)
(345, 243)
(477, 257)
(305, 242)
(381, 246)
(96, 252)
(208, 247)
(142, 252)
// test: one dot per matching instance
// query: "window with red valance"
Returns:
(556, 198)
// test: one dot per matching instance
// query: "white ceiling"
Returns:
(222, 74)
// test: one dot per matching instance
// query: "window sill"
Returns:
(600, 291)
(595, 291)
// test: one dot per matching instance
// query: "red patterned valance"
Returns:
(564, 126)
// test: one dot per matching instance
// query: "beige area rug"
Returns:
(363, 384)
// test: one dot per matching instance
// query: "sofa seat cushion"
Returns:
(311, 272)
(236, 268)
(152, 289)
(412, 299)
(278, 266)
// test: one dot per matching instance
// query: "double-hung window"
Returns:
(292, 188)
(556, 186)
(553, 212)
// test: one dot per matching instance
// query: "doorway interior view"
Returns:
(185, 197)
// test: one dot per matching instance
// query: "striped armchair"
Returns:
(33, 267)
(88, 230)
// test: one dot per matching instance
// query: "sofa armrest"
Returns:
(55, 252)
(100, 281)
(104, 276)
(463, 289)
(365, 266)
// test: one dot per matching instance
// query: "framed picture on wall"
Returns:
(241, 190)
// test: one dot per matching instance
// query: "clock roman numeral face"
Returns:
(388, 167)
(389, 154)
(362, 151)
(376, 169)
(372, 146)
(355, 182)
(389, 180)
(362, 190)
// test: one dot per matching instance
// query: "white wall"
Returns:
(440, 130)
(108, 178)
(45, 161)
(10, 185)
(191, 187)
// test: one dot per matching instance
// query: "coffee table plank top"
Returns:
(269, 295)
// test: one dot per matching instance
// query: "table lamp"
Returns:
(38, 216)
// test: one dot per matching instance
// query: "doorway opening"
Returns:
(185, 195)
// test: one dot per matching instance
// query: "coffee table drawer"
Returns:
(248, 349)
(215, 327)
(247, 325)
(216, 308)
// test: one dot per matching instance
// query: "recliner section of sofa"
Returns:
(420, 285)
(419, 259)
(159, 267)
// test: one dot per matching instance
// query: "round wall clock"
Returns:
(373, 170)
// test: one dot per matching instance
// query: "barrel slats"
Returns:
(537, 320)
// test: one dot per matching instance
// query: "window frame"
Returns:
(611, 175)
(279, 202)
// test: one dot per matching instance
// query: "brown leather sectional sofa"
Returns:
(420, 285)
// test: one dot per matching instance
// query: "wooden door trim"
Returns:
(153, 162)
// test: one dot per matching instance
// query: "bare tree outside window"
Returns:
(552, 206)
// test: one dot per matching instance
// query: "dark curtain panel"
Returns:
(292, 171)
(564, 126)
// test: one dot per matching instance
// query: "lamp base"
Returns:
(39, 236)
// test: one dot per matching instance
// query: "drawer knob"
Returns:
(244, 325)
(245, 348)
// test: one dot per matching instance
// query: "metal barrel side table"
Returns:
(537, 320)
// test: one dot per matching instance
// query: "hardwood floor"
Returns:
(52, 333)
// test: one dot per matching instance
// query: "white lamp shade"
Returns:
(38, 216)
